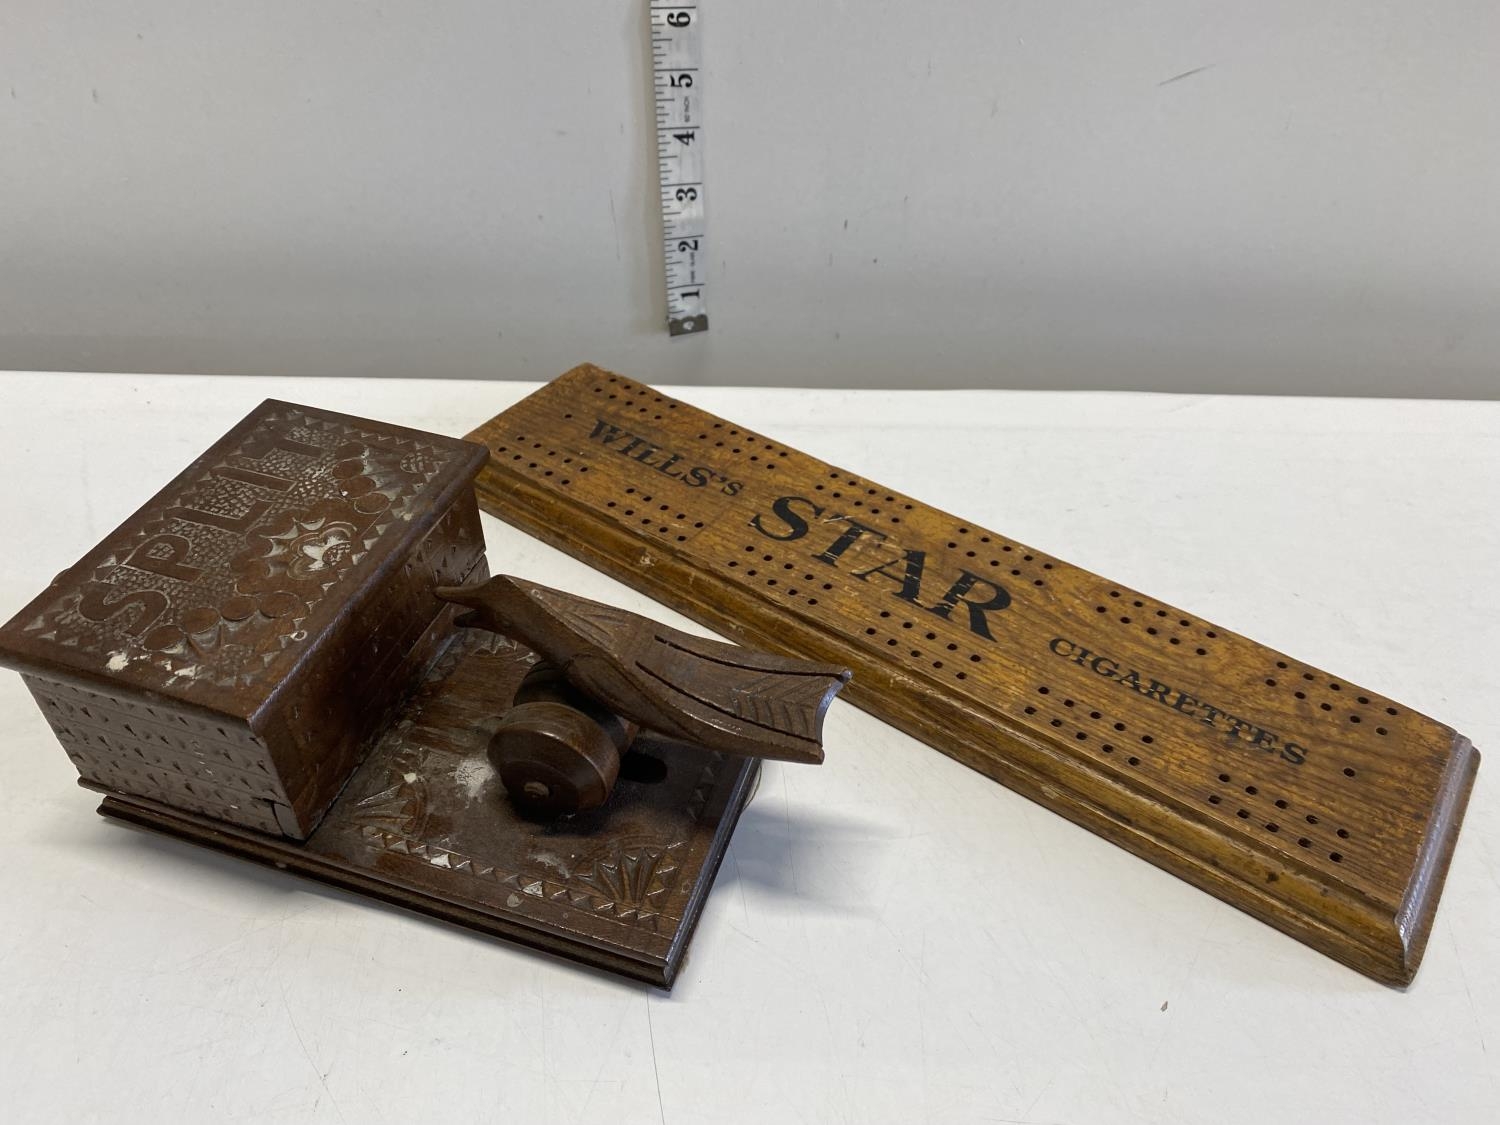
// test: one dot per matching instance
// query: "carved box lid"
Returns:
(212, 593)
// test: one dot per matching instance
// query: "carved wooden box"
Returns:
(235, 647)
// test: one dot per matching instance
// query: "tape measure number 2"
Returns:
(676, 55)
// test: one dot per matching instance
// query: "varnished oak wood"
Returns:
(1316, 805)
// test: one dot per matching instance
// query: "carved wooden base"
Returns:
(425, 824)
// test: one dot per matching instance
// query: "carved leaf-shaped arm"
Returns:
(719, 696)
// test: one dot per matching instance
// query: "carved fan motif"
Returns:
(636, 878)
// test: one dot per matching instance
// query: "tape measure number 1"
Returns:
(675, 57)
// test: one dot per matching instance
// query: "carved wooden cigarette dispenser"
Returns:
(1321, 807)
(259, 661)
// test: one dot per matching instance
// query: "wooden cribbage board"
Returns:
(1314, 804)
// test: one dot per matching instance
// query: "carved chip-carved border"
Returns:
(631, 882)
(213, 582)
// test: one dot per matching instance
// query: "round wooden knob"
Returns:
(558, 751)
(554, 759)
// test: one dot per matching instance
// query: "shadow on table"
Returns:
(817, 857)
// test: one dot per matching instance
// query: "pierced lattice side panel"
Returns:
(165, 753)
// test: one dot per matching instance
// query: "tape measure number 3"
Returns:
(676, 54)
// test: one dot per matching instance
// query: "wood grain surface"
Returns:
(1321, 807)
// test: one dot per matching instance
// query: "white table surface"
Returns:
(893, 938)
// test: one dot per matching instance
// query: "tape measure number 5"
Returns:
(676, 55)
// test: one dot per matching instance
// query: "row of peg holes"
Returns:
(1354, 717)
(1163, 620)
(635, 390)
(1213, 798)
(790, 591)
(953, 544)
(746, 439)
(647, 521)
(1165, 616)
(872, 632)
(537, 450)
(661, 528)
(1005, 548)
(858, 501)
(750, 440)
(1272, 826)
(1097, 716)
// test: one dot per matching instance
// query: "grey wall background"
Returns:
(1269, 196)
